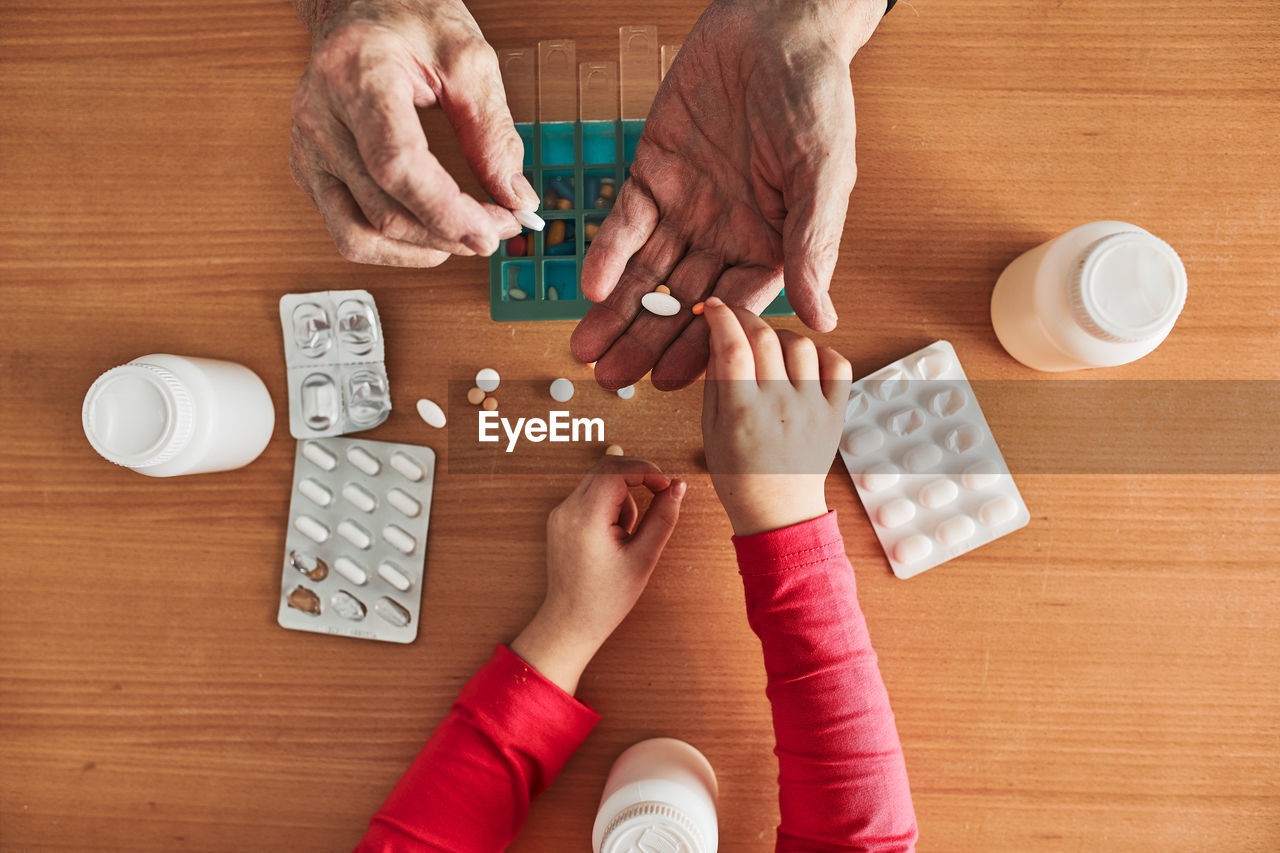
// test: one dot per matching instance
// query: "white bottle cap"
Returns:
(138, 415)
(652, 826)
(1129, 286)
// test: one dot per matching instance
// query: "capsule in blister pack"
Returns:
(355, 550)
(334, 352)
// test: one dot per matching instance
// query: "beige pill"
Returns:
(980, 476)
(998, 510)
(490, 404)
(402, 501)
(608, 189)
(399, 539)
(407, 468)
(475, 396)
(359, 497)
(896, 513)
(662, 288)
(390, 573)
(319, 455)
(912, 549)
(938, 493)
(311, 528)
(863, 441)
(613, 450)
(355, 534)
(391, 612)
(364, 460)
(315, 491)
(955, 530)
(351, 570)
(879, 477)
(555, 233)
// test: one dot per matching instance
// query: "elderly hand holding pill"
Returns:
(358, 146)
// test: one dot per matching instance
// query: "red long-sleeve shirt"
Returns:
(842, 781)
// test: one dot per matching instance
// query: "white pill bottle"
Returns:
(660, 796)
(1103, 294)
(165, 415)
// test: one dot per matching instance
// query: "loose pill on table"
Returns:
(562, 390)
(355, 534)
(351, 570)
(938, 493)
(921, 458)
(347, 605)
(490, 404)
(896, 513)
(627, 392)
(863, 441)
(392, 612)
(529, 219)
(698, 307)
(305, 600)
(310, 528)
(998, 510)
(314, 568)
(613, 450)
(431, 413)
(662, 304)
(980, 475)
(475, 396)
(319, 455)
(315, 491)
(487, 380)
(912, 549)
(364, 460)
(555, 233)
(399, 539)
(359, 497)
(404, 502)
(407, 467)
(880, 476)
(391, 573)
(955, 530)
(662, 288)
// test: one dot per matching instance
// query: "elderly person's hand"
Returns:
(358, 146)
(740, 183)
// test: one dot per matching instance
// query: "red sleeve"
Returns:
(842, 781)
(507, 736)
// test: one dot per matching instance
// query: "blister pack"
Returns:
(925, 463)
(334, 352)
(355, 550)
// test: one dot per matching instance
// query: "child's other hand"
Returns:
(772, 413)
(600, 553)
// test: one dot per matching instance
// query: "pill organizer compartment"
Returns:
(355, 549)
(925, 464)
(334, 354)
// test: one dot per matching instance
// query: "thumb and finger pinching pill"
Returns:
(529, 219)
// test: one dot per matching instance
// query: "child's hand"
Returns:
(600, 553)
(772, 413)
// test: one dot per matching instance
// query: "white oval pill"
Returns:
(529, 219)
(627, 392)
(364, 460)
(311, 528)
(431, 413)
(390, 573)
(351, 570)
(404, 502)
(955, 530)
(562, 390)
(315, 491)
(399, 539)
(391, 611)
(963, 438)
(880, 476)
(355, 534)
(921, 458)
(938, 493)
(487, 380)
(319, 455)
(359, 497)
(662, 304)
(998, 510)
(912, 549)
(409, 469)
(981, 475)
(896, 513)
(863, 441)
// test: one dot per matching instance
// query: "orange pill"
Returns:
(490, 403)
(613, 450)
(662, 288)
(699, 307)
(475, 396)
(564, 204)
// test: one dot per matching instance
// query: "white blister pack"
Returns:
(355, 550)
(334, 352)
(925, 463)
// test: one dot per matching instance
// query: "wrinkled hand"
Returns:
(358, 146)
(740, 183)
(600, 554)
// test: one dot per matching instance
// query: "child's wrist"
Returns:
(748, 521)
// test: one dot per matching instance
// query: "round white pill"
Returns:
(938, 493)
(399, 539)
(390, 573)
(404, 502)
(431, 413)
(355, 534)
(627, 392)
(409, 469)
(912, 549)
(311, 528)
(351, 570)
(487, 380)
(562, 390)
(955, 530)
(963, 438)
(364, 460)
(997, 510)
(662, 304)
(359, 497)
(529, 219)
(879, 477)
(391, 611)
(863, 441)
(921, 458)
(896, 513)
(980, 475)
(319, 455)
(315, 491)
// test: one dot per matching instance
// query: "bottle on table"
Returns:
(660, 795)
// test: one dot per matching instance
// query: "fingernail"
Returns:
(713, 302)
(524, 191)
(678, 489)
(828, 308)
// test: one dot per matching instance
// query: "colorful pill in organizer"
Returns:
(355, 550)
(925, 463)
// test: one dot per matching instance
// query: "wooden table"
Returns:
(1106, 679)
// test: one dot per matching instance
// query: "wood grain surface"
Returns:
(1107, 679)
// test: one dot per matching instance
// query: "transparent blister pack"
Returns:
(925, 464)
(334, 353)
(355, 550)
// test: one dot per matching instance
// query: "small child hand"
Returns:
(600, 553)
(772, 412)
